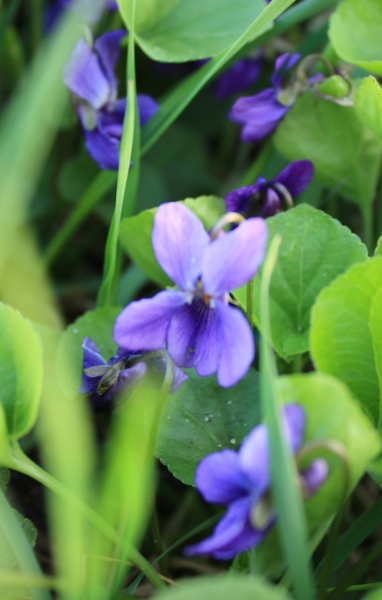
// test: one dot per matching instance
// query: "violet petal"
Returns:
(147, 107)
(259, 114)
(144, 323)
(254, 460)
(179, 240)
(284, 63)
(194, 337)
(296, 176)
(84, 76)
(233, 259)
(315, 475)
(219, 479)
(232, 535)
(238, 200)
(107, 47)
(237, 345)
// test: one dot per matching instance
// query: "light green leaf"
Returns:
(21, 371)
(346, 333)
(183, 30)
(378, 249)
(202, 418)
(135, 234)
(315, 249)
(224, 587)
(346, 155)
(355, 32)
(96, 324)
(368, 105)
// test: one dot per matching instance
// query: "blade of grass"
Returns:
(108, 287)
(286, 495)
(21, 548)
(354, 536)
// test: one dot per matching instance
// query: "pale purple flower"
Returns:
(265, 197)
(89, 74)
(241, 481)
(103, 380)
(261, 113)
(196, 322)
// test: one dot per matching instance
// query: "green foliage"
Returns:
(96, 324)
(224, 587)
(346, 334)
(355, 32)
(202, 418)
(135, 234)
(315, 249)
(346, 155)
(21, 371)
(334, 86)
(368, 105)
(183, 30)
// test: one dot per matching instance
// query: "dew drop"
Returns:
(233, 441)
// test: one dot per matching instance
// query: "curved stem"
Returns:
(20, 462)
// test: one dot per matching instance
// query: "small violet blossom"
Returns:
(196, 322)
(265, 197)
(103, 380)
(261, 113)
(242, 74)
(241, 481)
(89, 74)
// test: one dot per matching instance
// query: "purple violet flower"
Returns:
(103, 380)
(241, 481)
(195, 321)
(261, 113)
(265, 197)
(239, 76)
(89, 74)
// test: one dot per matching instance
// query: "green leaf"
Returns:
(346, 333)
(183, 30)
(355, 32)
(135, 234)
(202, 418)
(368, 105)
(331, 414)
(378, 249)
(96, 324)
(21, 371)
(346, 155)
(224, 587)
(315, 249)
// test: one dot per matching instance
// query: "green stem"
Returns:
(20, 546)
(19, 462)
(101, 184)
(368, 228)
(36, 23)
(297, 364)
(250, 301)
(111, 272)
(157, 539)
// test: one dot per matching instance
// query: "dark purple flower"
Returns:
(241, 481)
(88, 10)
(89, 74)
(239, 76)
(265, 197)
(103, 380)
(260, 114)
(196, 322)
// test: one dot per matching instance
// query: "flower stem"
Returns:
(250, 301)
(21, 463)
(368, 228)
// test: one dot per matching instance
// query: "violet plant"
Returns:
(195, 380)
